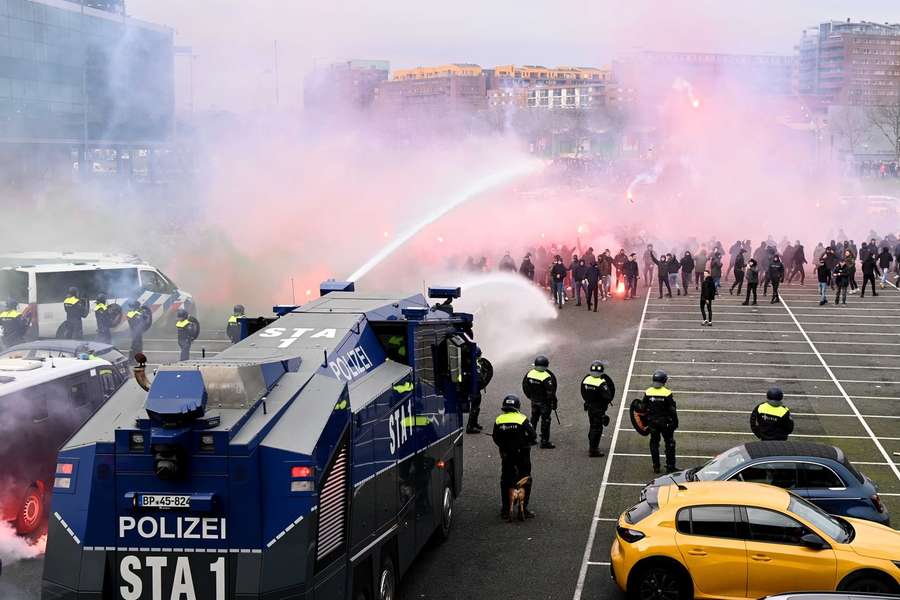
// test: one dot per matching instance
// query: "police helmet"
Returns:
(510, 403)
(238, 309)
(597, 366)
(775, 394)
(101, 298)
(541, 361)
(182, 314)
(660, 377)
(134, 304)
(73, 291)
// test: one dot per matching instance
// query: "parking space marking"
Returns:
(730, 321)
(718, 350)
(731, 340)
(757, 378)
(743, 364)
(793, 435)
(841, 389)
(604, 483)
(796, 414)
(803, 396)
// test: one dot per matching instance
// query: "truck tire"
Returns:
(32, 510)
(387, 580)
(442, 533)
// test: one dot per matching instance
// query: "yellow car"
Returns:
(720, 539)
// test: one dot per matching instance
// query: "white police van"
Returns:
(41, 284)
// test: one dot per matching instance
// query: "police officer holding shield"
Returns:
(598, 392)
(662, 420)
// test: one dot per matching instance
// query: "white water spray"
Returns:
(512, 316)
(477, 188)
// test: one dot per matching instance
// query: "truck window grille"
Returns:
(333, 507)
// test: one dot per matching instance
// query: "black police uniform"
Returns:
(771, 421)
(540, 387)
(662, 417)
(138, 323)
(14, 325)
(233, 328)
(188, 329)
(104, 322)
(484, 371)
(76, 310)
(775, 275)
(598, 392)
(514, 436)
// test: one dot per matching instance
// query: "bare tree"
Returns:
(886, 119)
(852, 127)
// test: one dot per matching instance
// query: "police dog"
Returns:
(517, 499)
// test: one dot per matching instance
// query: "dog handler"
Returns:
(514, 436)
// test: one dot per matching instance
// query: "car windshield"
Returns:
(722, 464)
(839, 531)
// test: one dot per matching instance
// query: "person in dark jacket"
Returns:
(557, 279)
(569, 277)
(884, 263)
(631, 277)
(539, 385)
(752, 281)
(188, 329)
(823, 274)
(507, 263)
(841, 277)
(775, 276)
(648, 265)
(593, 282)
(771, 420)
(578, 276)
(869, 271)
(514, 437)
(662, 266)
(619, 263)
(687, 270)
(233, 324)
(139, 320)
(850, 261)
(764, 268)
(673, 266)
(732, 256)
(699, 267)
(14, 324)
(662, 418)
(715, 269)
(597, 392)
(103, 314)
(707, 295)
(739, 266)
(526, 268)
(831, 261)
(798, 263)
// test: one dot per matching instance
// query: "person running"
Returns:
(870, 271)
(707, 295)
(884, 263)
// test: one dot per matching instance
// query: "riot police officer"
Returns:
(188, 329)
(484, 371)
(662, 418)
(76, 309)
(138, 323)
(514, 436)
(598, 392)
(14, 324)
(103, 314)
(539, 385)
(771, 420)
(233, 328)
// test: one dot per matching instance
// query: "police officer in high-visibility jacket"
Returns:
(771, 420)
(76, 309)
(103, 314)
(138, 323)
(598, 392)
(14, 324)
(188, 329)
(233, 328)
(662, 418)
(539, 385)
(514, 436)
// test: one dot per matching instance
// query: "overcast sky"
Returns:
(234, 40)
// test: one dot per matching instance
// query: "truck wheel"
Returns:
(387, 580)
(442, 533)
(32, 511)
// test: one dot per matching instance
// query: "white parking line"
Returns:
(793, 435)
(756, 378)
(840, 388)
(749, 364)
(710, 456)
(796, 414)
(718, 350)
(585, 563)
(843, 312)
(805, 396)
(829, 323)
(779, 331)
(731, 340)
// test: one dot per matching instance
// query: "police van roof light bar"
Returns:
(444, 292)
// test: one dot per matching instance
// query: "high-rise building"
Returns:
(82, 76)
(850, 63)
(344, 84)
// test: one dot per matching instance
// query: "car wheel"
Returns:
(659, 582)
(387, 580)
(32, 510)
(865, 582)
(442, 533)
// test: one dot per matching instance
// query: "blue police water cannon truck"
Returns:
(314, 459)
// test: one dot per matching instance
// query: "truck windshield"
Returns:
(13, 284)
